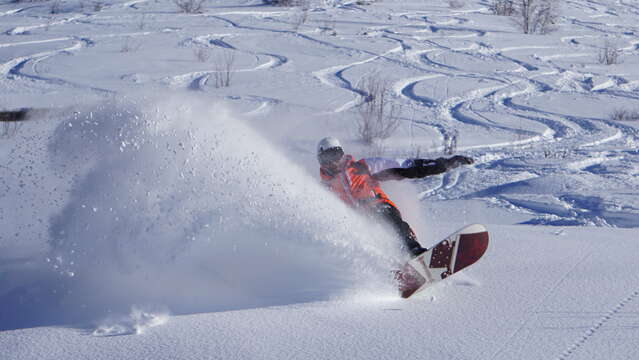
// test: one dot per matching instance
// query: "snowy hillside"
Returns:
(162, 200)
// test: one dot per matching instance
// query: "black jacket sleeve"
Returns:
(421, 169)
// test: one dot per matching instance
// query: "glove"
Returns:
(457, 160)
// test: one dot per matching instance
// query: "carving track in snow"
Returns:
(508, 97)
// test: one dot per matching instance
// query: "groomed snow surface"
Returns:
(147, 212)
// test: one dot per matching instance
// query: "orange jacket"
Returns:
(354, 184)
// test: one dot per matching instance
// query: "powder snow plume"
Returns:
(179, 203)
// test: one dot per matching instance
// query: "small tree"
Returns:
(609, 54)
(625, 115)
(283, 3)
(503, 7)
(130, 46)
(378, 116)
(537, 16)
(11, 122)
(456, 4)
(142, 23)
(202, 54)
(450, 141)
(299, 17)
(56, 7)
(190, 6)
(9, 129)
(224, 68)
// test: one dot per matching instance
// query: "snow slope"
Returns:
(571, 303)
(148, 212)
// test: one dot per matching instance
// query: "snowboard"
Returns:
(458, 251)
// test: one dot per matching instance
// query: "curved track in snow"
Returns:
(509, 98)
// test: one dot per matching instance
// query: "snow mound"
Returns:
(138, 321)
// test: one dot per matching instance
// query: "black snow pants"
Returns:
(392, 216)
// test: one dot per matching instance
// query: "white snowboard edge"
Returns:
(472, 229)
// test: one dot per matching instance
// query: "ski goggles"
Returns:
(330, 155)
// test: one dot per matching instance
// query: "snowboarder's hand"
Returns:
(457, 160)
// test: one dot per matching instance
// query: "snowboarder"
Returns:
(357, 182)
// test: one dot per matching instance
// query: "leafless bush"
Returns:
(625, 115)
(190, 6)
(289, 3)
(450, 141)
(456, 4)
(142, 23)
(9, 129)
(130, 46)
(537, 16)
(559, 153)
(202, 54)
(609, 54)
(328, 28)
(11, 122)
(299, 17)
(56, 7)
(283, 3)
(98, 6)
(224, 68)
(503, 7)
(378, 115)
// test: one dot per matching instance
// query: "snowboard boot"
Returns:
(417, 250)
(410, 241)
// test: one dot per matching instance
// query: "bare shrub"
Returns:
(56, 7)
(202, 54)
(503, 7)
(456, 4)
(537, 16)
(9, 129)
(283, 3)
(378, 115)
(450, 141)
(224, 68)
(299, 17)
(559, 153)
(98, 6)
(625, 115)
(328, 28)
(11, 122)
(190, 6)
(609, 54)
(130, 46)
(142, 23)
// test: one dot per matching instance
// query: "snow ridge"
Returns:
(137, 322)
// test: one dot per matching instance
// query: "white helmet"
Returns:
(328, 143)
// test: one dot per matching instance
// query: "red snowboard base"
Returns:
(456, 252)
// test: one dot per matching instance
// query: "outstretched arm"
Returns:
(422, 168)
